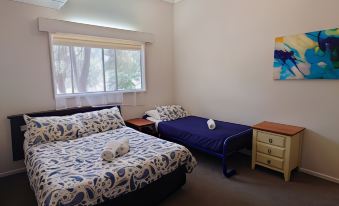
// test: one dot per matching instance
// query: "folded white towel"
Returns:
(115, 148)
(124, 147)
(211, 124)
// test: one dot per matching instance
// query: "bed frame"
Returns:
(151, 194)
(232, 144)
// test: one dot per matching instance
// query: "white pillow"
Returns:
(153, 113)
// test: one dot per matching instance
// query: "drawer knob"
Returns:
(268, 161)
(270, 140)
(269, 151)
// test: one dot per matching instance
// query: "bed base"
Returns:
(153, 193)
(232, 144)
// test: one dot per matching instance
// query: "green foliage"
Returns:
(81, 69)
(129, 69)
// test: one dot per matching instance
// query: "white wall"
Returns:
(224, 69)
(25, 75)
(223, 64)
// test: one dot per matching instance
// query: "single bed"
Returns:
(192, 131)
(72, 173)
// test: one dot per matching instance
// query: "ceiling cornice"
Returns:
(53, 4)
(173, 1)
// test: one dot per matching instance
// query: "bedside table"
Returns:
(142, 125)
(277, 147)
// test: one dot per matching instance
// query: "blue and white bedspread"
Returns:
(72, 172)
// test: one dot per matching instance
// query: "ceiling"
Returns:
(58, 4)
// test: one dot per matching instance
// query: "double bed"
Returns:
(72, 172)
(192, 131)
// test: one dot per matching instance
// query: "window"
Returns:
(83, 64)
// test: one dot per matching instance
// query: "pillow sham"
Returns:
(153, 113)
(100, 121)
(49, 129)
(171, 112)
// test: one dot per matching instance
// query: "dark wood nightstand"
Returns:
(142, 125)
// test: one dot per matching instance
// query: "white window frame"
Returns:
(143, 76)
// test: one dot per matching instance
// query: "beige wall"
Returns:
(223, 69)
(223, 64)
(25, 75)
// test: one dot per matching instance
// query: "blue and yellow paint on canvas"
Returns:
(313, 55)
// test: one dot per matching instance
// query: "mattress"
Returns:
(193, 131)
(72, 172)
(156, 121)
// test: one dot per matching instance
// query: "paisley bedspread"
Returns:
(72, 172)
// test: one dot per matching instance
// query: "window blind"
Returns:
(95, 42)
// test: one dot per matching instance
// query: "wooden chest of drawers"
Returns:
(277, 147)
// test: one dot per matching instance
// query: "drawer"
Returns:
(270, 138)
(270, 150)
(270, 161)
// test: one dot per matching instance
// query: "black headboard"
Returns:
(18, 124)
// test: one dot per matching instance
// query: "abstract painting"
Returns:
(313, 55)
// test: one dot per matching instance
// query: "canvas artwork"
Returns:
(313, 55)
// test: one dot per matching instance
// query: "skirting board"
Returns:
(306, 171)
(13, 172)
(320, 175)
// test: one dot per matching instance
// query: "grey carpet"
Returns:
(207, 186)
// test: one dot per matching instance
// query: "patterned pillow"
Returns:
(171, 112)
(100, 121)
(49, 129)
